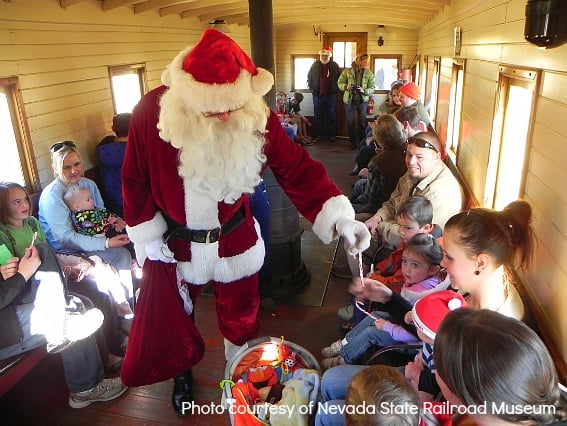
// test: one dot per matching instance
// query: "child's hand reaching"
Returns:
(408, 318)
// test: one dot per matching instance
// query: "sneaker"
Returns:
(346, 313)
(332, 362)
(106, 390)
(333, 350)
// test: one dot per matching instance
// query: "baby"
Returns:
(95, 222)
(88, 219)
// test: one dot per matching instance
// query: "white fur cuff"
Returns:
(334, 209)
(148, 231)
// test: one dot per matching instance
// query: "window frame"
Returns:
(24, 144)
(375, 56)
(524, 77)
(116, 70)
(293, 58)
(455, 108)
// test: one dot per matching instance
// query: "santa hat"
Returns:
(411, 90)
(327, 50)
(429, 311)
(216, 60)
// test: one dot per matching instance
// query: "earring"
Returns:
(477, 272)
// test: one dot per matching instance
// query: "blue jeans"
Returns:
(120, 258)
(325, 106)
(334, 385)
(355, 134)
(363, 337)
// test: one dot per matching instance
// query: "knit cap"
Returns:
(429, 311)
(411, 90)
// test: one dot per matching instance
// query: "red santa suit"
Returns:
(219, 240)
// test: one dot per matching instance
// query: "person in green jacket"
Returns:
(358, 84)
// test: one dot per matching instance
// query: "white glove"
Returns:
(158, 250)
(355, 233)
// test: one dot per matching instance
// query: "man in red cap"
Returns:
(197, 148)
(322, 81)
(410, 98)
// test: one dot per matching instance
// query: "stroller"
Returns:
(264, 376)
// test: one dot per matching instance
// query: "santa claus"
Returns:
(196, 149)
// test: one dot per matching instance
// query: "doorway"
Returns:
(345, 48)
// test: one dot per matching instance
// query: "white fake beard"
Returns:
(220, 159)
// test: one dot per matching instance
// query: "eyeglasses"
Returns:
(422, 143)
(59, 145)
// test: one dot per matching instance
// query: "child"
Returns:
(94, 221)
(43, 298)
(427, 315)
(383, 387)
(88, 219)
(293, 108)
(420, 267)
(413, 217)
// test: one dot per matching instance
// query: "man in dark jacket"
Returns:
(322, 81)
(110, 152)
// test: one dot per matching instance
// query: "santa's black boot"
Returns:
(182, 395)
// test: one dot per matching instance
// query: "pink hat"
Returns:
(216, 60)
(429, 311)
(327, 50)
(411, 90)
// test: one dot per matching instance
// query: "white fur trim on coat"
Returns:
(206, 265)
(335, 208)
(148, 231)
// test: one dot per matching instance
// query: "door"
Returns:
(345, 48)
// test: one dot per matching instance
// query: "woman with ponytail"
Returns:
(481, 246)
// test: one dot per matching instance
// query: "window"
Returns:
(301, 65)
(508, 146)
(346, 46)
(17, 162)
(344, 53)
(385, 68)
(433, 71)
(128, 83)
(455, 104)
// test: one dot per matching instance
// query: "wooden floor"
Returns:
(41, 398)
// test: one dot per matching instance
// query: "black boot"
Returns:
(182, 392)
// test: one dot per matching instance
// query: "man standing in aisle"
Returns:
(322, 81)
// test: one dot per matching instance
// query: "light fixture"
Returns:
(380, 35)
(219, 24)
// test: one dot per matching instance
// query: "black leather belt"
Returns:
(206, 236)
